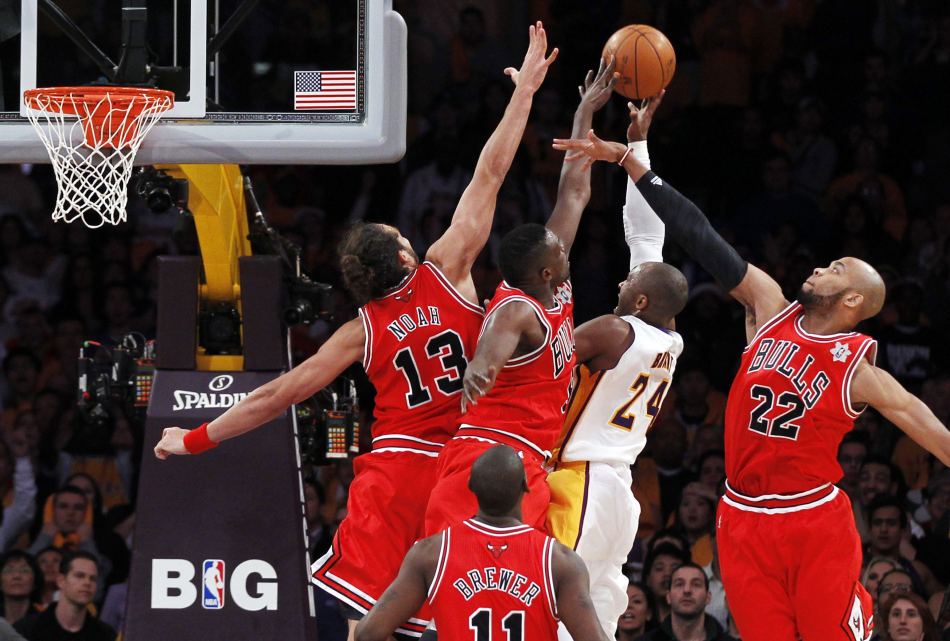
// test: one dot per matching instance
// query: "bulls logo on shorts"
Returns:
(856, 623)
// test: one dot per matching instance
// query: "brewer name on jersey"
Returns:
(562, 346)
(498, 579)
(409, 322)
(778, 355)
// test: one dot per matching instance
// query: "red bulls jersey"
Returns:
(494, 583)
(526, 406)
(419, 339)
(790, 405)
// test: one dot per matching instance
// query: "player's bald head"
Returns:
(664, 286)
(865, 280)
(498, 480)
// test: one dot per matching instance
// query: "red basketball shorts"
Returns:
(791, 567)
(452, 502)
(385, 512)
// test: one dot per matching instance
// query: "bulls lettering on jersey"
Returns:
(531, 392)
(494, 583)
(419, 339)
(612, 410)
(790, 405)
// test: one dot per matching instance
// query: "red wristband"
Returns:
(196, 441)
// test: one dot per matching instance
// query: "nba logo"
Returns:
(213, 584)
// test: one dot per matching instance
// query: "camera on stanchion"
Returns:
(112, 380)
(307, 300)
(160, 191)
(328, 424)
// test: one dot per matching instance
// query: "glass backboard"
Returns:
(256, 81)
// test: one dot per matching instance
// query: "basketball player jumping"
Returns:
(789, 551)
(416, 331)
(491, 576)
(529, 326)
(627, 360)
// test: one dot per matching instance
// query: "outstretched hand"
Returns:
(596, 90)
(535, 65)
(642, 116)
(173, 442)
(592, 148)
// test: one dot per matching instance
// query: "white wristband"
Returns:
(640, 152)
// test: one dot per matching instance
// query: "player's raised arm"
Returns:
(572, 587)
(601, 342)
(459, 246)
(506, 329)
(643, 230)
(880, 390)
(272, 399)
(404, 596)
(573, 188)
(688, 225)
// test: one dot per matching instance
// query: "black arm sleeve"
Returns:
(688, 225)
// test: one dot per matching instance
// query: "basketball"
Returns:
(645, 60)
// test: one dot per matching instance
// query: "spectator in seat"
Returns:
(658, 568)
(687, 599)
(71, 525)
(905, 617)
(878, 477)
(888, 522)
(69, 618)
(695, 517)
(876, 568)
(638, 617)
(20, 584)
(711, 470)
(17, 488)
(48, 561)
(852, 451)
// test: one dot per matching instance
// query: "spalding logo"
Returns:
(188, 400)
(220, 383)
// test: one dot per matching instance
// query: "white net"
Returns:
(92, 136)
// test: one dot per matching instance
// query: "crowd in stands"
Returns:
(805, 129)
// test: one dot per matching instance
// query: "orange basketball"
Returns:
(645, 60)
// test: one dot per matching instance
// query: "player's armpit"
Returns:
(875, 387)
(403, 598)
(761, 296)
(572, 589)
(602, 341)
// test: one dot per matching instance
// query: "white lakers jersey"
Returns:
(612, 410)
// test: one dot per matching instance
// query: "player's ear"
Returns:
(642, 302)
(406, 259)
(854, 300)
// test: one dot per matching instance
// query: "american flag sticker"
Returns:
(324, 90)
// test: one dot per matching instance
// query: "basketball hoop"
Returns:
(92, 135)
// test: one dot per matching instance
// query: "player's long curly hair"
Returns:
(369, 260)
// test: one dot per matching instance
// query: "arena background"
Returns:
(806, 129)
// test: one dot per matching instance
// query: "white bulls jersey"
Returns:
(612, 410)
